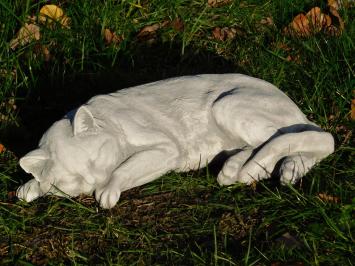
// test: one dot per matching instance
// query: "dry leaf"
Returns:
(27, 33)
(334, 3)
(52, 13)
(5, 73)
(2, 148)
(177, 24)
(218, 3)
(289, 240)
(297, 263)
(111, 37)
(294, 58)
(11, 195)
(352, 113)
(224, 33)
(46, 54)
(335, 30)
(300, 26)
(328, 198)
(148, 30)
(315, 21)
(268, 21)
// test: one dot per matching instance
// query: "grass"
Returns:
(180, 219)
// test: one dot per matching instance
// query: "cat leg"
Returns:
(309, 146)
(139, 169)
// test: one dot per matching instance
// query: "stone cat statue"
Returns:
(133, 136)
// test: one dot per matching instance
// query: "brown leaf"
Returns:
(315, 21)
(177, 24)
(300, 25)
(218, 3)
(297, 263)
(352, 112)
(294, 58)
(46, 54)
(224, 33)
(334, 3)
(11, 195)
(148, 30)
(268, 21)
(289, 240)
(328, 198)
(27, 34)
(217, 34)
(111, 37)
(335, 30)
(2, 148)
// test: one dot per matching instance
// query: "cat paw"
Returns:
(29, 191)
(294, 167)
(225, 180)
(107, 196)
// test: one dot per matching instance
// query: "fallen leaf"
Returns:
(300, 26)
(218, 3)
(5, 73)
(328, 198)
(305, 25)
(297, 263)
(148, 31)
(268, 21)
(223, 34)
(26, 34)
(352, 113)
(111, 37)
(2, 148)
(294, 58)
(52, 13)
(4, 117)
(335, 30)
(317, 19)
(46, 54)
(177, 24)
(289, 240)
(333, 3)
(11, 195)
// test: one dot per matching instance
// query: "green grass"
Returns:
(180, 219)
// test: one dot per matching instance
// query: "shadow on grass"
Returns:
(56, 95)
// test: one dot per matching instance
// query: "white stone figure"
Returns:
(133, 136)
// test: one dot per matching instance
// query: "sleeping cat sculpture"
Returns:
(133, 136)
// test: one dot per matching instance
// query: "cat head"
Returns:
(73, 157)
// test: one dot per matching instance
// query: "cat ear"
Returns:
(83, 121)
(35, 162)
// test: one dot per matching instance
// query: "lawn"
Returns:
(180, 219)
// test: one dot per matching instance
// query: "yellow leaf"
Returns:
(52, 13)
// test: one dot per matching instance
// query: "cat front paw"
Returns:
(107, 196)
(29, 191)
